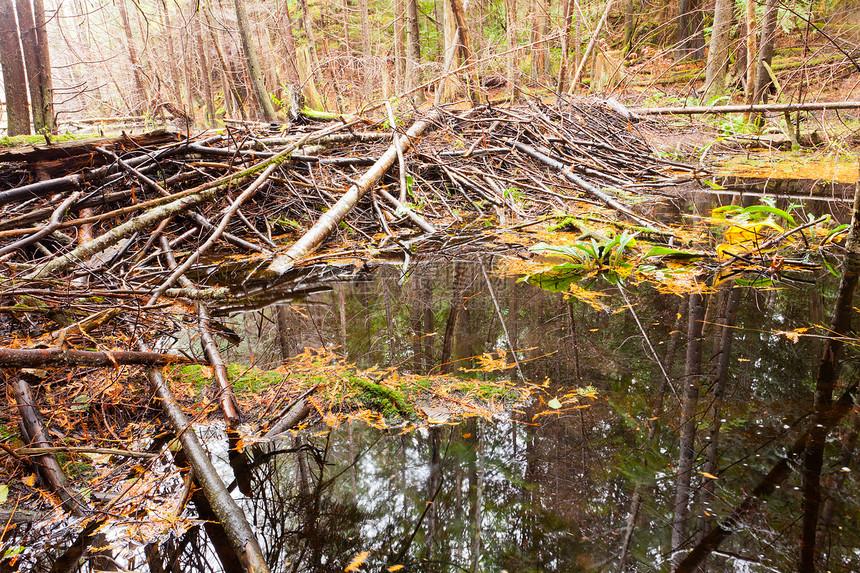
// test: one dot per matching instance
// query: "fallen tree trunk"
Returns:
(34, 432)
(41, 357)
(774, 107)
(229, 514)
(329, 220)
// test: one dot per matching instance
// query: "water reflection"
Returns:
(700, 399)
(633, 482)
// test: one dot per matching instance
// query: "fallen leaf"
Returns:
(357, 561)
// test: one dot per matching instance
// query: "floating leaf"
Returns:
(30, 480)
(4, 493)
(357, 562)
(667, 251)
(395, 568)
(709, 476)
(554, 404)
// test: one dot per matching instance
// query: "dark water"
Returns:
(565, 492)
(599, 488)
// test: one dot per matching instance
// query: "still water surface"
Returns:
(577, 489)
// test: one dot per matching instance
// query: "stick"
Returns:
(229, 405)
(48, 466)
(774, 107)
(416, 218)
(606, 199)
(41, 357)
(52, 225)
(590, 47)
(329, 220)
(401, 162)
(186, 264)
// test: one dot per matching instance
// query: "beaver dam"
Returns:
(501, 338)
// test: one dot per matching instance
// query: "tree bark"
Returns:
(205, 69)
(564, 68)
(46, 82)
(510, 43)
(690, 38)
(27, 27)
(465, 49)
(14, 77)
(314, 61)
(765, 51)
(751, 51)
(413, 51)
(267, 109)
(719, 53)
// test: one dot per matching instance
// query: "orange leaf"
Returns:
(357, 561)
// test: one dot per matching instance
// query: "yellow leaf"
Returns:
(395, 568)
(792, 335)
(30, 480)
(357, 561)
(709, 476)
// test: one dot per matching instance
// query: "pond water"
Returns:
(591, 486)
(630, 477)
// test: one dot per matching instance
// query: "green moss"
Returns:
(390, 403)
(38, 139)
(243, 380)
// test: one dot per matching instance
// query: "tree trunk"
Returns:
(413, 51)
(46, 82)
(719, 53)
(27, 27)
(449, 50)
(564, 68)
(314, 61)
(205, 69)
(510, 43)
(629, 26)
(465, 49)
(14, 78)
(230, 88)
(690, 37)
(751, 53)
(286, 36)
(139, 99)
(399, 45)
(267, 109)
(765, 51)
(164, 16)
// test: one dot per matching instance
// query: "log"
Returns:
(774, 107)
(48, 466)
(329, 220)
(43, 357)
(229, 514)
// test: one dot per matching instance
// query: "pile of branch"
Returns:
(216, 222)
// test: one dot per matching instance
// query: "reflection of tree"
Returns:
(558, 491)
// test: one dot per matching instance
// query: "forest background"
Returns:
(207, 61)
